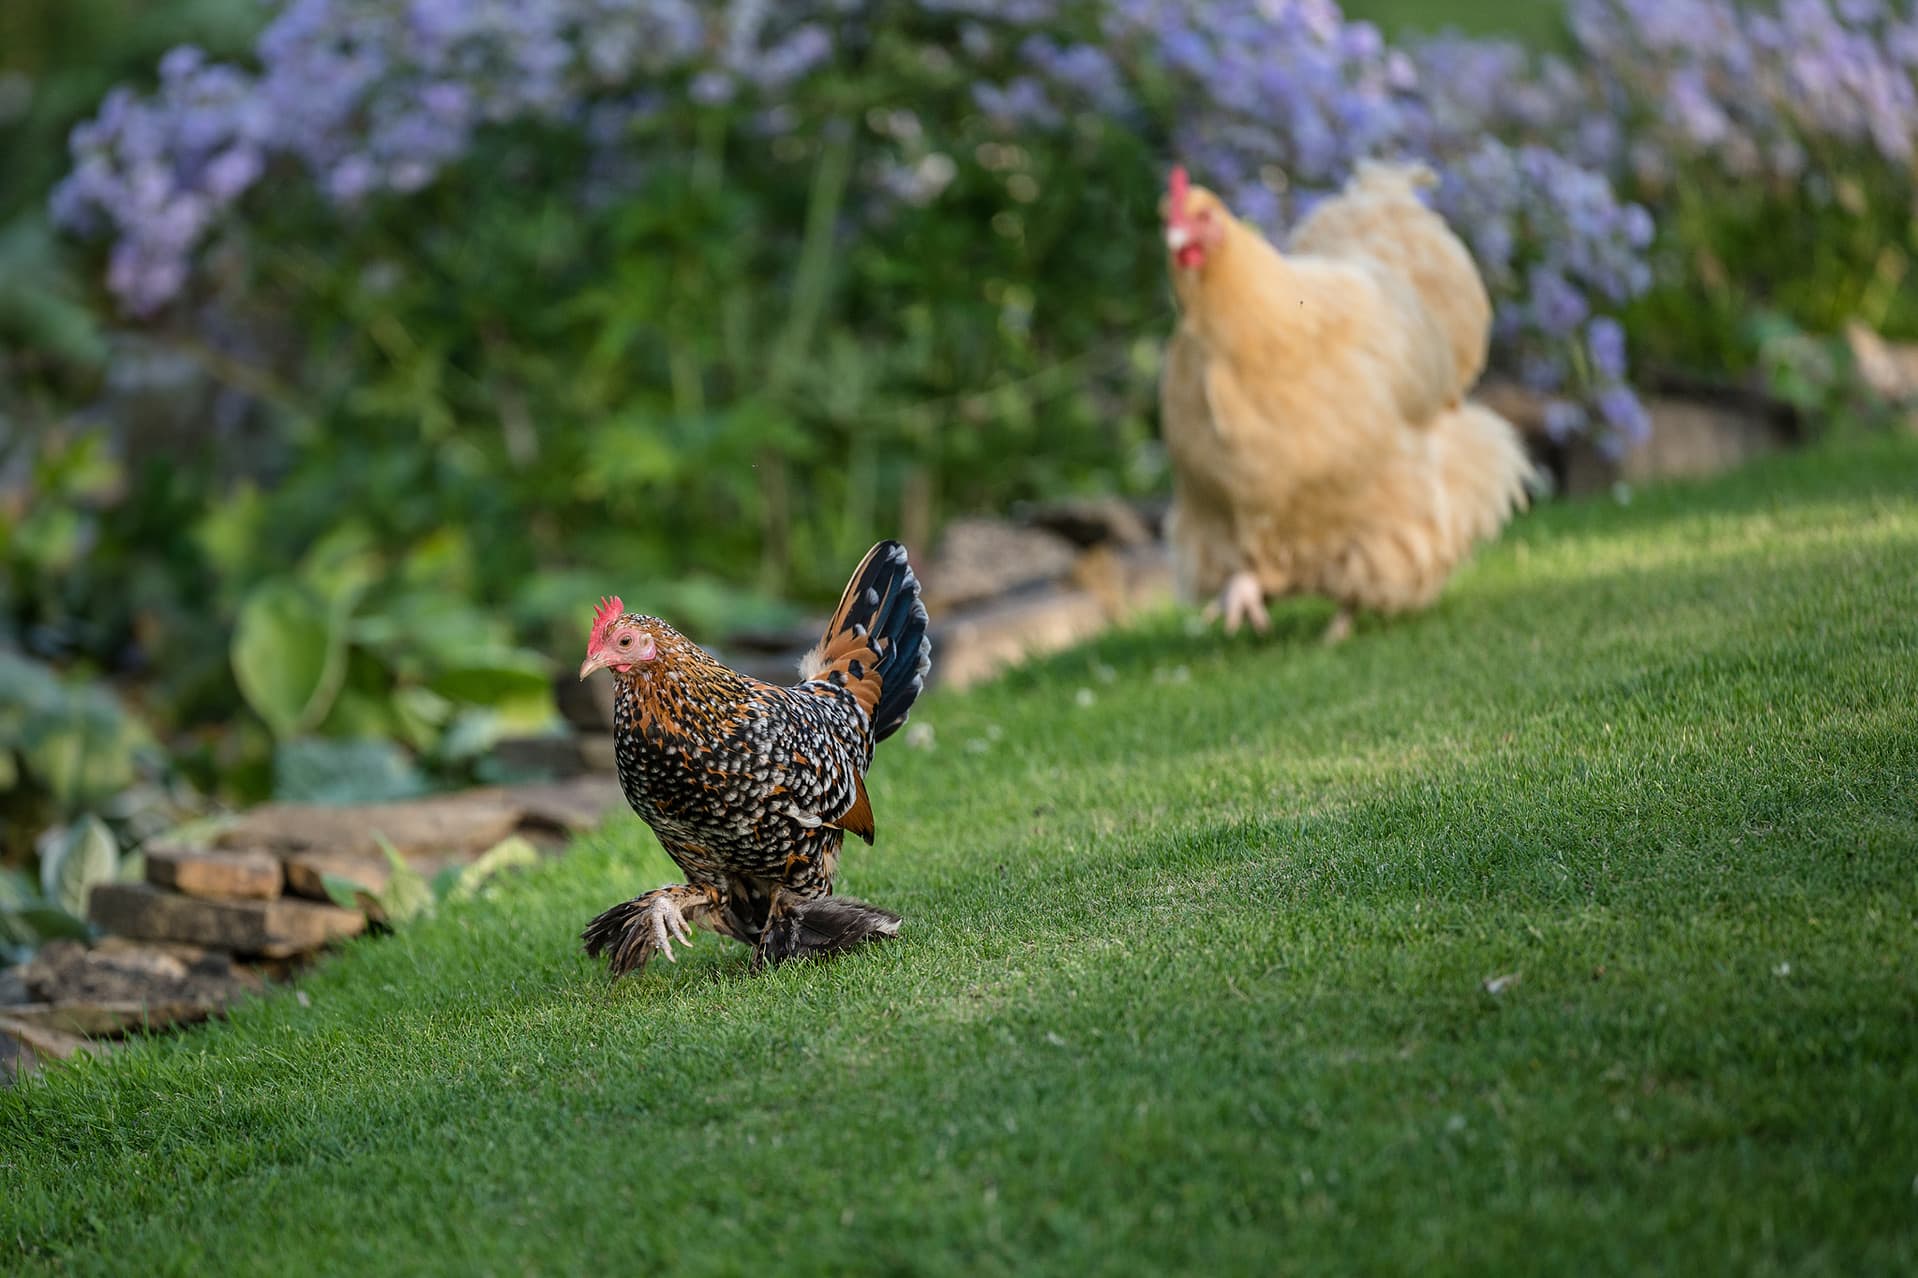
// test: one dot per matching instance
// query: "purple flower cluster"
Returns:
(374, 96)
(1753, 91)
(1272, 101)
(160, 170)
(1552, 239)
(1753, 88)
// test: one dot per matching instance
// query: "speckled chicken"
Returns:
(751, 787)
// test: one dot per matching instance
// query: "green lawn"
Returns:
(1192, 978)
(1539, 22)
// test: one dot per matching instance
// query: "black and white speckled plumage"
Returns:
(750, 786)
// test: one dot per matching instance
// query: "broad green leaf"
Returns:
(229, 533)
(420, 715)
(50, 923)
(340, 566)
(76, 858)
(496, 676)
(513, 852)
(16, 890)
(407, 894)
(317, 770)
(288, 656)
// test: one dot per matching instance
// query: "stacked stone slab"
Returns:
(211, 922)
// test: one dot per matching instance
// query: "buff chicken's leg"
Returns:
(1341, 628)
(1242, 599)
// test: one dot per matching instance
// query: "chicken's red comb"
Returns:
(1176, 188)
(609, 607)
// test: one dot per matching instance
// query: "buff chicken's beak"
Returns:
(594, 661)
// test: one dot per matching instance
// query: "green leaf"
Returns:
(316, 770)
(515, 687)
(74, 859)
(510, 853)
(503, 677)
(420, 716)
(16, 891)
(289, 657)
(407, 894)
(230, 533)
(341, 565)
(49, 923)
(345, 892)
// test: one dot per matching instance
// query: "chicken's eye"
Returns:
(625, 641)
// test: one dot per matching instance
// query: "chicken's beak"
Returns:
(594, 661)
(1176, 238)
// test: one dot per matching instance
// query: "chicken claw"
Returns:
(1243, 599)
(1340, 629)
(668, 925)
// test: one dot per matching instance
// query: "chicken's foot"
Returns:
(632, 932)
(797, 927)
(1242, 600)
(1341, 628)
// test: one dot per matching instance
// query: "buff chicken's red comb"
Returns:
(1175, 191)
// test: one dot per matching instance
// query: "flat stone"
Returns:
(1697, 429)
(1888, 369)
(468, 822)
(551, 757)
(980, 642)
(218, 875)
(1090, 521)
(25, 1047)
(982, 559)
(596, 752)
(569, 807)
(121, 984)
(275, 929)
(306, 872)
(109, 1019)
(1695, 437)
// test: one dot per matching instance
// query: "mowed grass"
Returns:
(1194, 973)
(1537, 22)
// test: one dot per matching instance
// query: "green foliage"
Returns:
(1196, 974)
(27, 919)
(74, 860)
(64, 747)
(289, 655)
(354, 770)
(408, 895)
(1817, 254)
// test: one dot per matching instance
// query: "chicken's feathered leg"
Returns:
(798, 927)
(633, 931)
